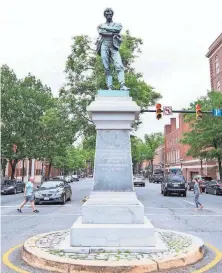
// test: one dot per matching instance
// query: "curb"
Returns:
(39, 258)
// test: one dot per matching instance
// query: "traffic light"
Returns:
(158, 111)
(199, 114)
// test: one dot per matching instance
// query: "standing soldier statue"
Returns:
(108, 45)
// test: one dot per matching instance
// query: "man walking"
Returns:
(29, 196)
(197, 194)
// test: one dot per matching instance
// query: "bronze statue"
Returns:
(108, 45)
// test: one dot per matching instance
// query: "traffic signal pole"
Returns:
(178, 111)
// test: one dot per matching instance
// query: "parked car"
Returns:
(174, 184)
(68, 179)
(158, 178)
(139, 181)
(214, 187)
(203, 180)
(58, 191)
(75, 177)
(12, 186)
(59, 177)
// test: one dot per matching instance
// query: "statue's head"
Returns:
(108, 13)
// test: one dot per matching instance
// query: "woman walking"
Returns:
(197, 193)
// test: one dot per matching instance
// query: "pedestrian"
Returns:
(197, 193)
(29, 196)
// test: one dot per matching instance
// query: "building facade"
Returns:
(32, 167)
(176, 159)
(215, 60)
(158, 161)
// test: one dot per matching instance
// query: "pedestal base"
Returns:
(112, 235)
(113, 208)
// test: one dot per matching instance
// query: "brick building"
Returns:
(176, 159)
(215, 60)
(33, 168)
(158, 161)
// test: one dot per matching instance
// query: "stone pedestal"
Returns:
(113, 216)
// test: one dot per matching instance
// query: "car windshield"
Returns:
(52, 184)
(8, 182)
(176, 179)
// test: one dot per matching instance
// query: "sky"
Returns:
(36, 37)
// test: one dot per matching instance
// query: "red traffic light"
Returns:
(198, 107)
(199, 114)
(158, 111)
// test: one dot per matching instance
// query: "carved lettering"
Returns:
(113, 163)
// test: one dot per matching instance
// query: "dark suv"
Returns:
(157, 178)
(174, 184)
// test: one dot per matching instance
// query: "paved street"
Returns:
(171, 212)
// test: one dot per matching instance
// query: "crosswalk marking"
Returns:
(77, 214)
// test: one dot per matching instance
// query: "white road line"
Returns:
(189, 202)
(69, 205)
(73, 214)
(15, 206)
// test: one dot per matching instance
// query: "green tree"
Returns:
(145, 150)
(151, 143)
(58, 131)
(23, 102)
(85, 75)
(72, 159)
(205, 136)
(136, 150)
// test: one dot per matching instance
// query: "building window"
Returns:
(218, 85)
(217, 66)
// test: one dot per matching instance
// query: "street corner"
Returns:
(183, 250)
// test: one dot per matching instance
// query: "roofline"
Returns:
(217, 42)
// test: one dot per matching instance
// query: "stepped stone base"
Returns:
(112, 235)
(113, 208)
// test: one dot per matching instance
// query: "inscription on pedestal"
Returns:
(113, 162)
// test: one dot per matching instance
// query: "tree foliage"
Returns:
(205, 136)
(23, 102)
(57, 132)
(145, 150)
(85, 75)
(73, 159)
(38, 124)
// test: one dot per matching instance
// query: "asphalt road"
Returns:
(170, 212)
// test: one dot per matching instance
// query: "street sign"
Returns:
(217, 112)
(167, 110)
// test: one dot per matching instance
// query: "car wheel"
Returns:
(69, 199)
(184, 194)
(22, 189)
(206, 191)
(15, 191)
(215, 191)
(64, 199)
(165, 193)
